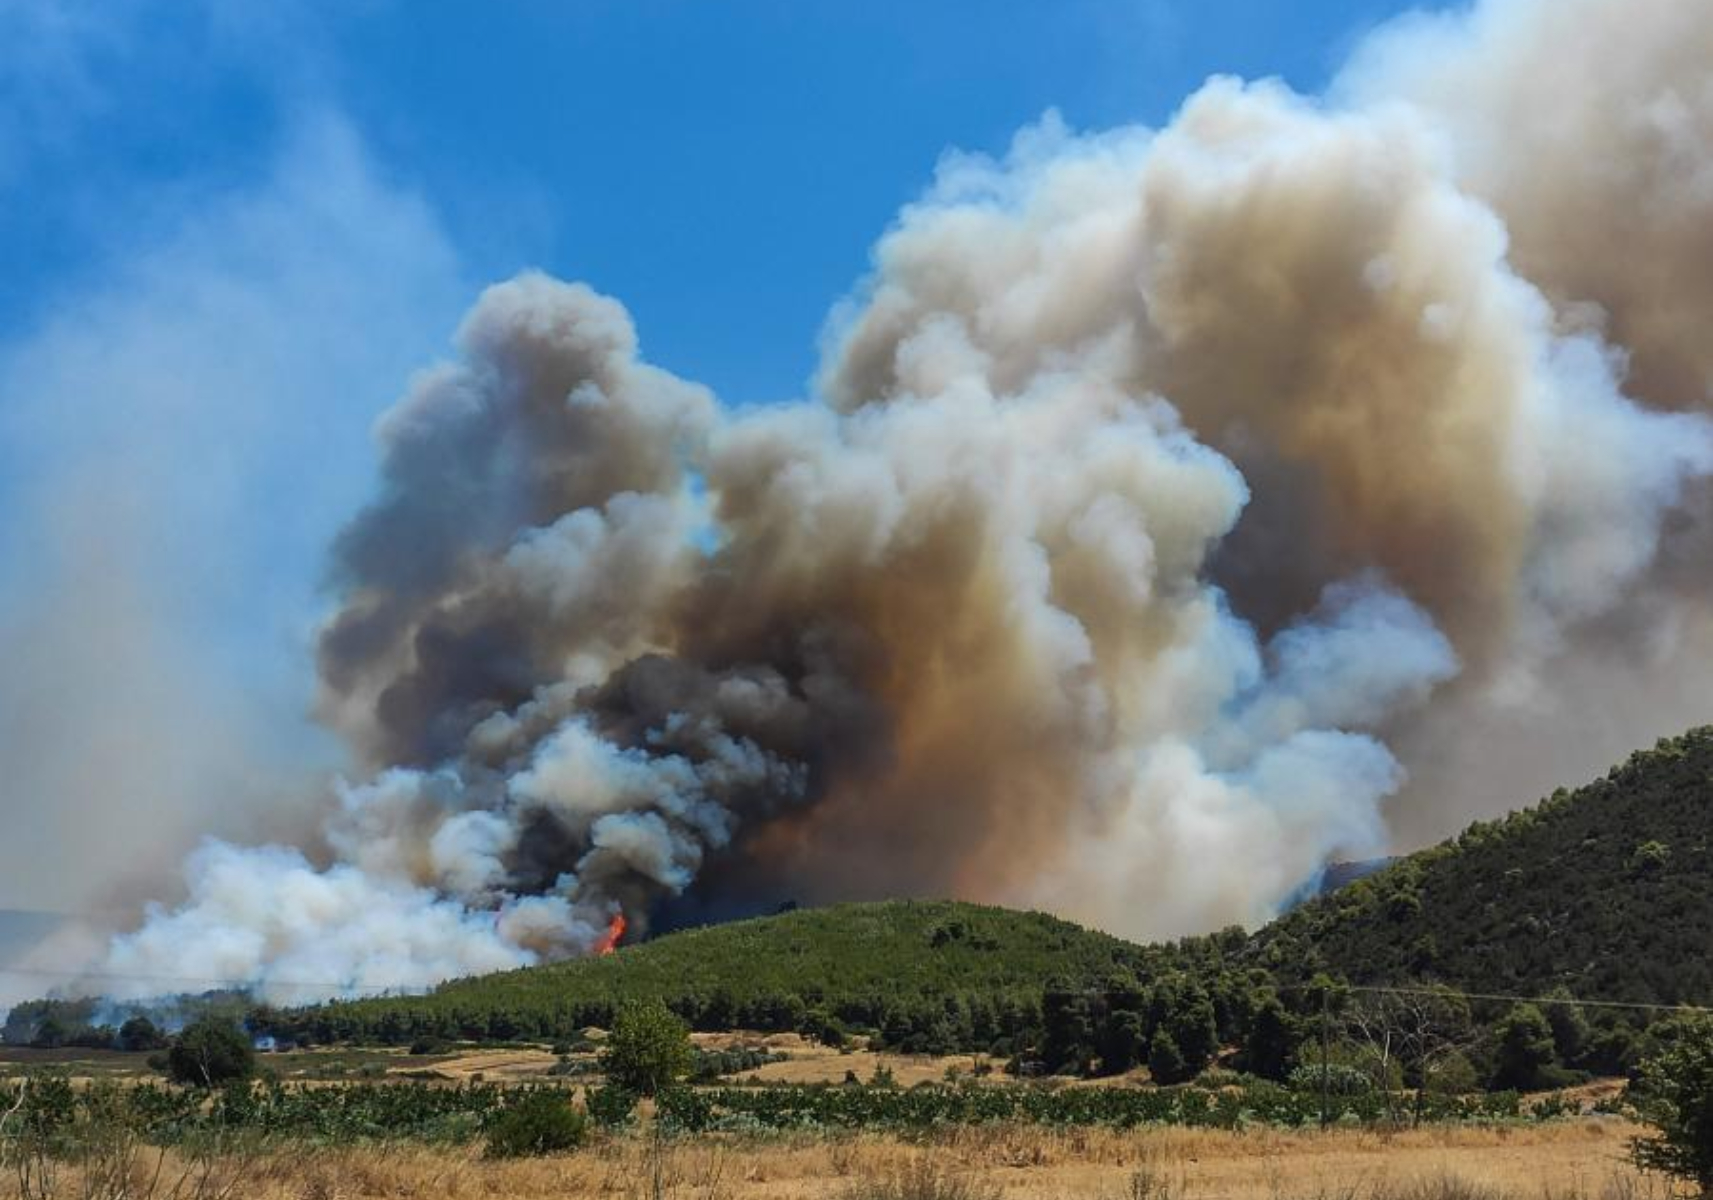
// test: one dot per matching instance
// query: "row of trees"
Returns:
(1400, 1040)
(1176, 1025)
(136, 1034)
(1172, 1025)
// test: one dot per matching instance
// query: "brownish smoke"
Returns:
(1154, 477)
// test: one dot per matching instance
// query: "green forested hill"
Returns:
(1605, 891)
(902, 948)
(856, 962)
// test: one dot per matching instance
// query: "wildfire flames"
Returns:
(610, 940)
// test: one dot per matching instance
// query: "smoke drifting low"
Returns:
(1155, 483)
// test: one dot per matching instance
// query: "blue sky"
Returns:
(232, 229)
(722, 165)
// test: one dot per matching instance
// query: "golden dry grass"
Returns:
(1577, 1160)
(496, 1066)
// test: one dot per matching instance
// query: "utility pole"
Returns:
(1325, 1039)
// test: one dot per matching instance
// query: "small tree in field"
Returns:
(1674, 1093)
(648, 1049)
(210, 1052)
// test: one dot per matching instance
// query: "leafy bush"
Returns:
(929, 1106)
(611, 1106)
(53, 1112)
(709, 1065)
(541, 1123)
(684, 1109)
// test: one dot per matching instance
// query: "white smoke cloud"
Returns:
(1189, 847)
(268, 916)
(1155, 478)
(203, 387)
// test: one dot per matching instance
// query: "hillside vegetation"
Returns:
(1605, 891)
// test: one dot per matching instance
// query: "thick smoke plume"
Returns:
(1154, 482)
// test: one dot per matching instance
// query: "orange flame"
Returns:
(610, 940)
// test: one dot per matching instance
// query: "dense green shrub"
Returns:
(611, 1106)
(540, 1123)
(1166, 1063)
(709, 1065)
(816, 1106)
(1270, 1047)
(684, 1109)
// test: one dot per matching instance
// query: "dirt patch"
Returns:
(496, 1066)
(824, 1065)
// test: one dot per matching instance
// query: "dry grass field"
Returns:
(1572, 1160)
